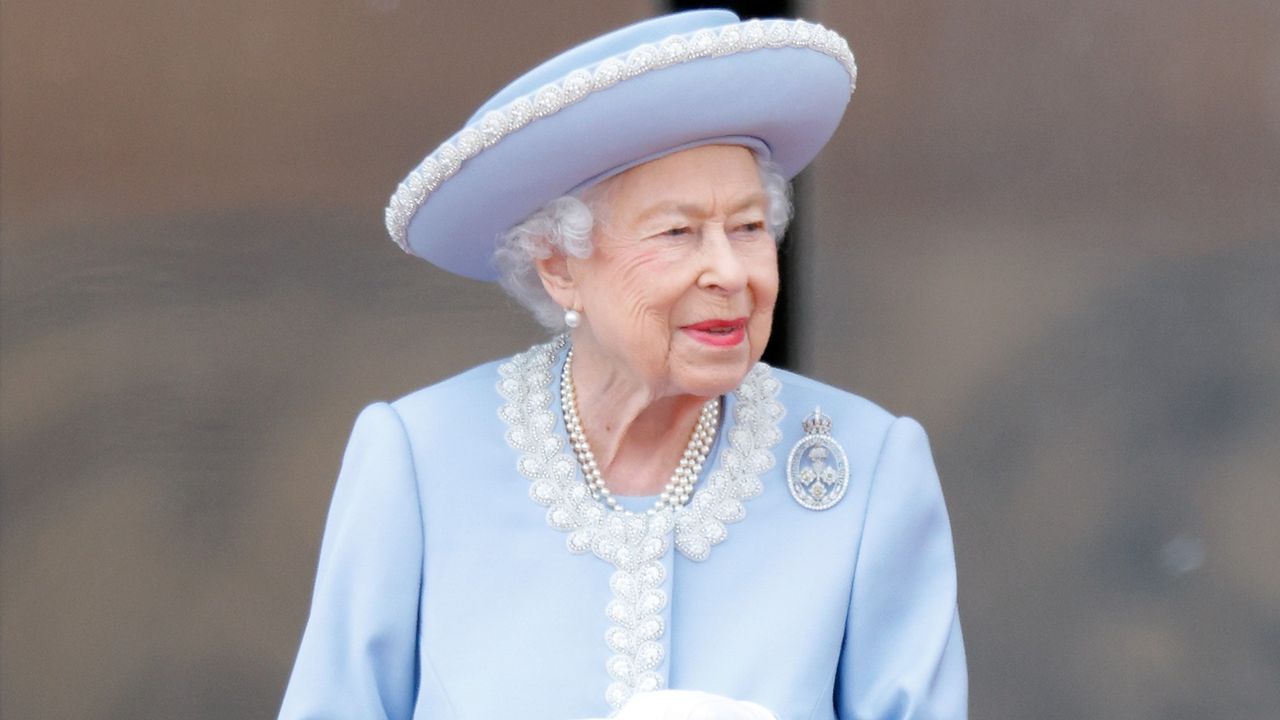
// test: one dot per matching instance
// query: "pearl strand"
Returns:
(678, 489)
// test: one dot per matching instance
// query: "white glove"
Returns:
(689, 705)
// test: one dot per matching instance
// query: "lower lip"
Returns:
(718, 339)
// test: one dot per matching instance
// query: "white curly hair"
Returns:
(565, 224)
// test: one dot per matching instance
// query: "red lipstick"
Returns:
(718, 332)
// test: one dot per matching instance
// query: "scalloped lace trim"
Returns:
(634, 543)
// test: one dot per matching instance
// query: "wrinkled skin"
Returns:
(679, 241)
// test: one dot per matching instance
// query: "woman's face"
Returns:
(678, 293)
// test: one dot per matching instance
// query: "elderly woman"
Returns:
(638, 517)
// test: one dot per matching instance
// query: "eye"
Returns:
(677, 231)
(752, 227)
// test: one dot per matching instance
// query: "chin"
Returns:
(709, 382)
(709, 372)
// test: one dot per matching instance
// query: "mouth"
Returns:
(718, 332)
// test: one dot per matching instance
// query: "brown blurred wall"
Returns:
(1051, 231)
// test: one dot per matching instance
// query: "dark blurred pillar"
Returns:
(782, 344)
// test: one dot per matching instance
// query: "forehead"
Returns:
(707, 174)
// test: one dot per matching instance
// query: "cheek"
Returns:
(639, 287)
(764, 279)
(764, 297)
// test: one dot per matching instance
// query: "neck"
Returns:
(637, 435)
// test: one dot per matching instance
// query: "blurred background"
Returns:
(1048, 229)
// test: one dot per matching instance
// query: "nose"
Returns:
(723, 269)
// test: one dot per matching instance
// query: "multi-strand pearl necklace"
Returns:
(678, 489)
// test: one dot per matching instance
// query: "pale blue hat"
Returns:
(779, 87)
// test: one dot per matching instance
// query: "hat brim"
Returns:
(784, 101)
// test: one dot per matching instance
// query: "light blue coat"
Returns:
(444, 593)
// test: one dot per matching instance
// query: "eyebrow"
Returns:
(687, 210)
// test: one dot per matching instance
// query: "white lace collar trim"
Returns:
(634, 543)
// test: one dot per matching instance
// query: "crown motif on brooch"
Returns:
(817, 423)
(817, 468)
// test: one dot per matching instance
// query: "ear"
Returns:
(557, 280)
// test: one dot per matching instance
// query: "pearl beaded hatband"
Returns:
(778, 86)
(678, 489)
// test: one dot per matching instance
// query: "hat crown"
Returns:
(656, 87)
(606, 46)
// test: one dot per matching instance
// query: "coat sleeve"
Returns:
(903, 656)
(358, 657)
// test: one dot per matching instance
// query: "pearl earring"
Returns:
(572, 318)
